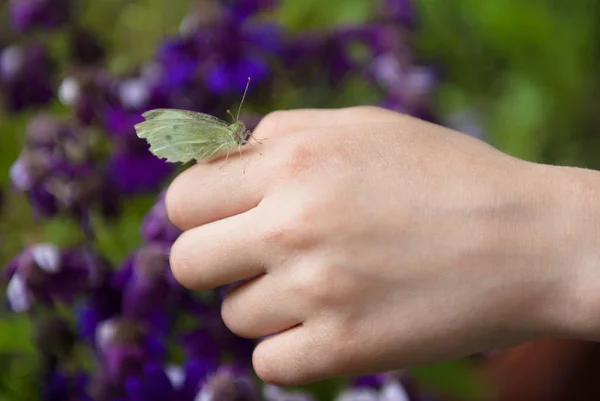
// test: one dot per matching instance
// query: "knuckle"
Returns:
(298, 157)
(373, 113)
(326, 287)
(293, 229)
(316, 286)
(366, 109)
(272, 122)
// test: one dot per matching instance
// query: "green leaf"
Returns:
(519, 118)
(16, 335)
(63, 232)
(324, 390)
(19, 379)
(311, 14)
(117, 238)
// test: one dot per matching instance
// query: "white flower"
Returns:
(47, 257)
(17, 294)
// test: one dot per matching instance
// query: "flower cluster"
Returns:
(59, 172)
(149, 338)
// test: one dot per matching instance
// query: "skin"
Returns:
(370, 241)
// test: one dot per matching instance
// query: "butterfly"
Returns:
(183, 135)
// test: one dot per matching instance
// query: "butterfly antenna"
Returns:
(231, 114)
(243, 98)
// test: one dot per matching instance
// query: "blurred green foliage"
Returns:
(528, 68)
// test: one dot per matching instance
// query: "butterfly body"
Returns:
(182, 135)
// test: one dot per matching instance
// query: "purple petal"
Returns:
(133, 171)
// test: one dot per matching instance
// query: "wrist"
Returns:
(567, 220)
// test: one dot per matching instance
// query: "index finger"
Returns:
(206, 192)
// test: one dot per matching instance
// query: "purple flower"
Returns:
(399, 11)
(147, 287)
(407, 87)
(399, 385)
(88, 319)
(75, 188)
(202, 346)
(60, 387)
(57, 172)
(44, 273)
(46, 14)
(185, 381)
(323, 57)
(266, 37)
(124, 348)
(178, 61)
(394, 390)
(213, 59)
(132, 168)
(231, 75)
(30, 169)
(122, 361)
(229, 383)
(156, 226)
(213, 330)
(390, 386)
(120, 122)
(243, 9)
(103, 303)
(63, 141)
(361, 394)
(88, 92)
(372, 381)
(238, 51)
(152, 385)
(388, 38)
(25, 76)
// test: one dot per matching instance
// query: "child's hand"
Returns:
(377, 241)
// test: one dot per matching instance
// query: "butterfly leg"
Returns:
(241, 157)
(250, 143)
(253, 137)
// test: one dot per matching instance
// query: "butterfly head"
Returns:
(240, 131)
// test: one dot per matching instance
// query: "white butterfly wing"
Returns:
(177, 114)
(183, 140)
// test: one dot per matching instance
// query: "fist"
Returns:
(365, 241)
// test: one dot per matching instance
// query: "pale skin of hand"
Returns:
(373, 241)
